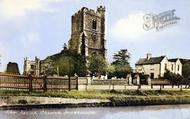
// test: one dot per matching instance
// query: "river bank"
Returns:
(65, 99)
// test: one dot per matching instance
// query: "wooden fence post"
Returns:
(30, 82)
(181, 88)
(86, 84)
(45, 83)
(109, 86)
(151, 86)
(77, 83)
(86, 88)
(139, 87)
(69, 83)
(160, 87)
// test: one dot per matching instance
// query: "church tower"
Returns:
(88, 32)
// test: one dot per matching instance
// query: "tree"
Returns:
(122, 57)
(68, 62)
(110, 71)
(66, 65)
(186, 73)
(97, 64)
(186, 70)
(80, 66)
(121, 63)
(175, 79)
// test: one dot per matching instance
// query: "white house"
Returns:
(155, 67)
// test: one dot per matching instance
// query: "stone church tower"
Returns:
(88, 32)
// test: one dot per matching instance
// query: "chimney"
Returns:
(148, 56)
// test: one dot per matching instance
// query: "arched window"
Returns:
(94, 24)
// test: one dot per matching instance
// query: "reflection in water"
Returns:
(140, 112)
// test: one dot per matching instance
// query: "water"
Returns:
(140, 112)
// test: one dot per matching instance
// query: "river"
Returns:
(138, 112)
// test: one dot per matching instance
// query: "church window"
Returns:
(32, 67)
(94, 23)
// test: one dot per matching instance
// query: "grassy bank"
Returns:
(99, 94)
(117, 98)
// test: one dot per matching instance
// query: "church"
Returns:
(87, 38)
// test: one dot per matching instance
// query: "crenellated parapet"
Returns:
(99, 12)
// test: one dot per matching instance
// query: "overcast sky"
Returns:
(30, 28)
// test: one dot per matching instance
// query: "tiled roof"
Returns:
(152, 60)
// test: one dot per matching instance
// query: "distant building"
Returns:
(88, 32)
(32, 66)
(37, 67)
(155, 67)
(12, 67)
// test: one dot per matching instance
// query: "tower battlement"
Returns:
(100, 10)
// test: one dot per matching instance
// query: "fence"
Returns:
(21, 82)
(110, 82)
(160, 82)
(86, 83)
(44, 83)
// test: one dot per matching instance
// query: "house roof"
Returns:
(152, 60)
(173, 60)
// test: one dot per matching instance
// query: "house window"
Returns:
(172, 67)
(152, 75)
(165, 66)
(94, 23)
(178, 67)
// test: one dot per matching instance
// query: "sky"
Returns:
(30, 28)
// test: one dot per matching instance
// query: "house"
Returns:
(175, 66)
(155, 67)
